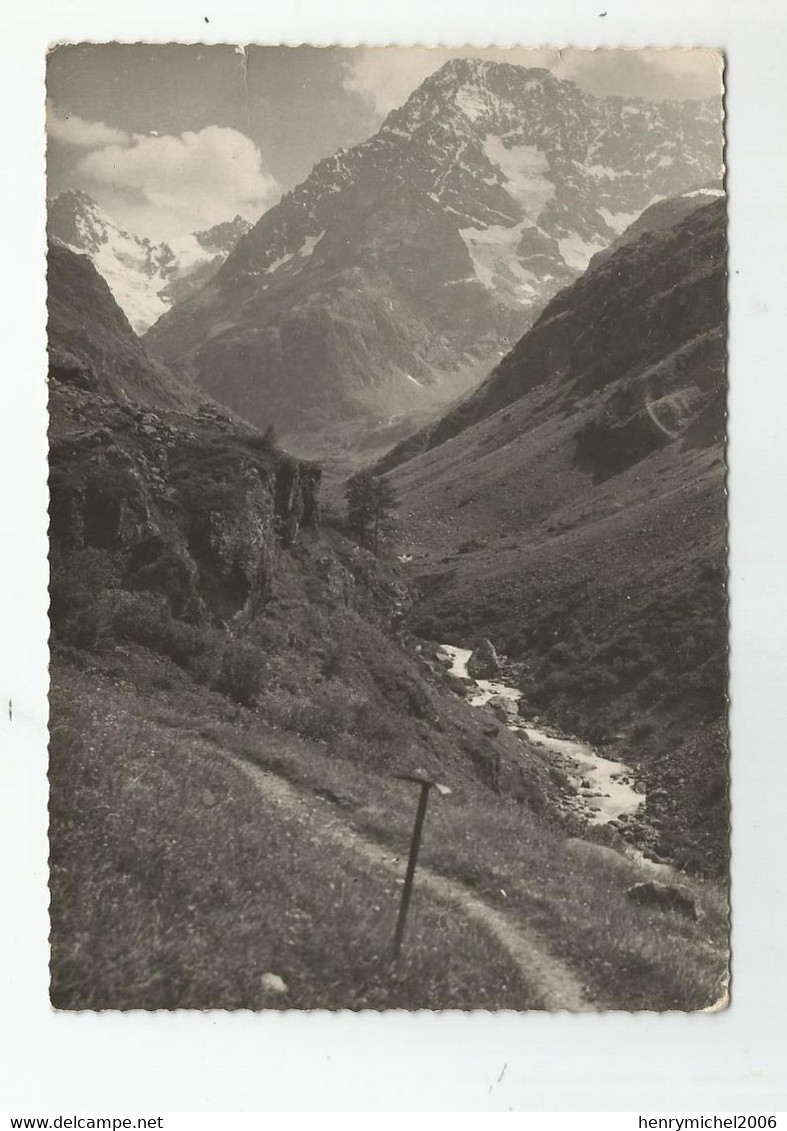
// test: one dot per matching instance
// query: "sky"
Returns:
(172, 138)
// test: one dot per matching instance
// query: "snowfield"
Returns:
(145, 278)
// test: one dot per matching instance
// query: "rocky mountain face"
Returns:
(145, 278)
(92, 345)
(634, 305)
(573, 511)
(194, 508)
(381, 284)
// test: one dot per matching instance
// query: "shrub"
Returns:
(87, 628)
(642, 730)
(77, 581)
(561, 655)
(430, 628)
(242, 673)
(337, 655)
(147, 620)
(334, 710)
(168, 574)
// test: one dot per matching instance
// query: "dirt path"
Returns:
(556, 985)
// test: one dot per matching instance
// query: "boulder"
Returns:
(272, 983)
(457, 684)
(484, 662)
(70, 370)
(665, 897)
(504, 708)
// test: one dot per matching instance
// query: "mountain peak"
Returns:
(471, 97)
(460, 70)
(77, 196)
(470, 69)
(488, 190)
(228, 232)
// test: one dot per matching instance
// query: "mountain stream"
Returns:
(605, 790)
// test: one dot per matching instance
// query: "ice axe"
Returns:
(420, 778)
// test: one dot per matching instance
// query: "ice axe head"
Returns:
(420, 778)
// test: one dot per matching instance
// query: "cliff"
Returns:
(193, 507)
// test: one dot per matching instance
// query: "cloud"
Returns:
(386, 76)
(650, 73)
(165, 186)
(70, 129)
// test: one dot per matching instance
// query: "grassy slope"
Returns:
(182, 890)
(497, 527)
(610, 595)
(581, 523)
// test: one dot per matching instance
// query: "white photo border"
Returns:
(213, 1061)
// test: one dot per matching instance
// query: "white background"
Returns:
(149, 1063)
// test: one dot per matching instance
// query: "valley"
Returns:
(551, 513)
(423, 473)
(189, 523)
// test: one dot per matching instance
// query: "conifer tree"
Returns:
(370, 503)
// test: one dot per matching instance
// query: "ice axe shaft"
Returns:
(426, 784)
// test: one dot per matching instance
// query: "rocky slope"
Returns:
(377, 286)
(660, 290)
(663, 214)
(145, 469)
(92, 345)
(192, 506)
(145, 278)
(573, 510)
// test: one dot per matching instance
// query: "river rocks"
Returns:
(484, 662)
(502, 707)
(664, 897)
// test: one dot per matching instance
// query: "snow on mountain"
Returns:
(372, 288)
(145, 278)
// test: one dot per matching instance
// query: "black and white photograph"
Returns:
(387, 395)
